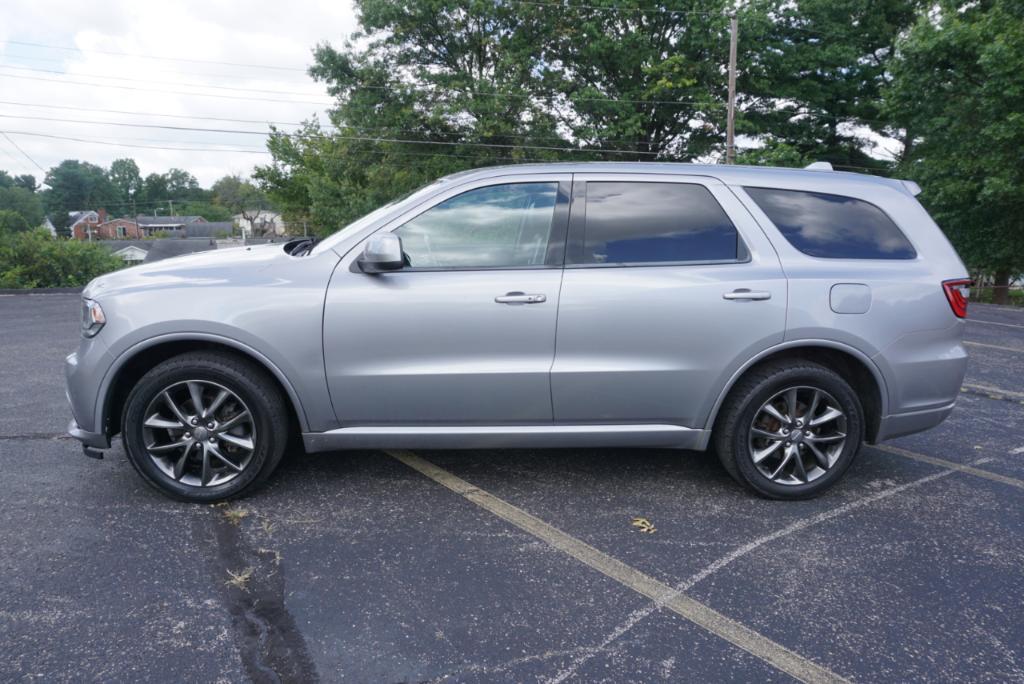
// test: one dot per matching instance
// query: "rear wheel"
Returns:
(790, 430)
(205, 426)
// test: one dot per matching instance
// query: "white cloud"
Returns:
(263, 32)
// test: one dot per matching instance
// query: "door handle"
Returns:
(744, 293)
(520, 298)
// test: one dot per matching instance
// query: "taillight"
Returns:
(957, 292)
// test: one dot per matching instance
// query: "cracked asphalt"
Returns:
(356, 567)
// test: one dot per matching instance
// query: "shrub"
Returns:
(35, 259)
(12, 222)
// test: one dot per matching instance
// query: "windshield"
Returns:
(394, 206)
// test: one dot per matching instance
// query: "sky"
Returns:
(217, 58)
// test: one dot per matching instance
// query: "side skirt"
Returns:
(507, 437)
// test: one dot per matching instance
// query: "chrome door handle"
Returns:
(744, 293)
(520, 298)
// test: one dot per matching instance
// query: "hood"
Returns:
(214, 267)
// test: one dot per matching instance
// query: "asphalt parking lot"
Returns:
(512, 566)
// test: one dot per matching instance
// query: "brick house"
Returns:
(84, 223)
(119, 229)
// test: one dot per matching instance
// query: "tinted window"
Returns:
(496, 226)
(833, 226)
(655, 222)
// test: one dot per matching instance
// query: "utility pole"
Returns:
(730, 126)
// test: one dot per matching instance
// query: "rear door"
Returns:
(669, 287)
(465, 333)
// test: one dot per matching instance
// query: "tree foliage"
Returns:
(73, 186)
(959, 90)
(35, 259)
(12, 222)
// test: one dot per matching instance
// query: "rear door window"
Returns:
(638, 222)
(832, 226)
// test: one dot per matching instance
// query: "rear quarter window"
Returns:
(832, 226)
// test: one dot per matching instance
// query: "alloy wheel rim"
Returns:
(199, 433)
(797, 435)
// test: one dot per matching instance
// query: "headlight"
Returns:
(92, 317)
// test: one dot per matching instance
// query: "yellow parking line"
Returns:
(700, 614)
(943, 463)
(993, 391)
(993, 346)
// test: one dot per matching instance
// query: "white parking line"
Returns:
(943, 463)
(993, 346)
(642, 613)
(661, 594)
(1008, 325)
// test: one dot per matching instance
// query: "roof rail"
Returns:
(819, 166)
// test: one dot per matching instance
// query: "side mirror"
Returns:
(382, 253)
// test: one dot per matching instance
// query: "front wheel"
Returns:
(205, 426)
(790, 430)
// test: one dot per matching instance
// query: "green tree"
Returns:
(25, 181)
(12, 222)
(34, 259)
(23, 202)
(127, 182)
(811, 76)
(75, 186)
(446, 76)
(238, 196)
(958, 91)
(208, 210)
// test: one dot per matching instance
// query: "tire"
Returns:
(253, 415)
(744, 418)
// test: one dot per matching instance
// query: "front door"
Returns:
(465, 333)
(669, 287)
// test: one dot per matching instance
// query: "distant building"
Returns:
(208, 229)
(132, 254)
(118, 229)
(172, 247)
(147, 251)
(83, 224)
(266, 224)
(172, 225)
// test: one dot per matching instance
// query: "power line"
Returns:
(261, 122)
(64, 60)
(172, 83)
(167, 116)
(18, 163)
(141, 56)
(355, 138)
(602, 8)
(18, 147)
(119, 144)
(162, 91)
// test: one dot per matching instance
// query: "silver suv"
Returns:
(782, 317)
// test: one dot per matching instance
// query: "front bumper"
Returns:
(97, 440)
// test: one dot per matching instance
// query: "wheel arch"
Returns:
(136, 361)
(854, 366)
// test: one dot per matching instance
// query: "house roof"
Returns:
(172, 247)
(77, 216)
(167, 221)
(133, 250)
(118, 245)
(118, 220)
(209, 229)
